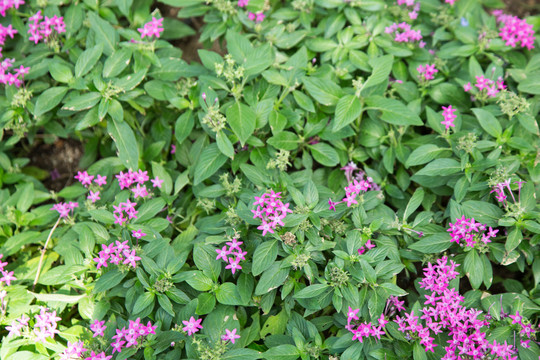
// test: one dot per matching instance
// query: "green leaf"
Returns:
(423, 154)
(482, 211)
(282, 352)
(227, 294)
(474, 268)
(87, 60)
(271, 279)
(393, 111)
(488, 122)
(381, 70)
(324, 154)
(304, 101)
(224, 144)
(311, 291)
(199, 281)
(513, 240)
(440, 167)
(109, 280)
(264, 256)
(204, 257)
(205, 303)
(160, 172)
(414, 203)
(143, 302)
(348, 109)
(418, 352)
(105, 33)
(284, 140)
(63, 298)
(531, 85)
(325, 91)
(432, 244)
(117, 62)
(150, 209)
(241, 354)
(60, 72)
(82, 102)
(49, 99)
(210, 160)
(183, 127)
(242, 120)
(126, 144)
(26, 197)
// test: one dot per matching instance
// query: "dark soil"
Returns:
(522, 8)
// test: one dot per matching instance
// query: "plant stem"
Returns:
(43, 253)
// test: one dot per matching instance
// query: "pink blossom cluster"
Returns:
(451, 2)
(271, 210)
(257, 17)
(98, 356)
(152, 28)
(366, 247)
(126, 207)
(11, 78)
(491, 87)
(86, 180)
(7, 276)
(470, 232)
(243, 3)
(192, 326)
(116, 254)
(358, 184)
(515, 31)
(42, 30)
(126, 180)
(526, 329)
(63, 209)
(5, 5)
(73, 351)
(234, 249)
(45, 325)
(427, 71)
(413, 14)
(443, 310)
(449, 117)
(404, 33)
(499, 189)
(363, 330)
(125, 338)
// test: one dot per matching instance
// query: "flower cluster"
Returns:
(86, 180)
(443, 309)
(486, 87)
(413, 14)
(129, 208)
(45, 325)
(526, 330)
(8, 4)
(192, 326)
(363, 330)
(404, 33)
(500, 188)
(98, 356)
(137, 177)
(42, 30)
(124, 338)
(368, 245)
(116, 254)
(427, 71)
(515, 31)
(152, 28)
(234, 249)
(73, 351)
(257, 17)
(470, 232)
(7, 78)
(243, 3)
(449, 117)
(357, 184)
(270, 210)
(64, 208)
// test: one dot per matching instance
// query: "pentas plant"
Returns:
(232, 254)
(43, 326)
(358, 183)
(467, 232)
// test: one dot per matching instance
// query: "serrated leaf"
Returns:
(348, 109)
(242, 120)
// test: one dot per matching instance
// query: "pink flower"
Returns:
(93, 196)
(100, 180)
(192, 326)
(233, 265)
(131, 258)
(222, 254)
(230, 336)
(138, 234)
(352, 314)
(156, 182)
(467, 87)
(243, 3)
(427, 71)
(449, 117)
(98, 327)
(84, 178)
(152, 28)
(139, 191)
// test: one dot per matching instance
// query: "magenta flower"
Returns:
(156, 182)
(84, 178)
(230, 336)
(192, 326)
(100, 180)
(152, 28)
(427, 71)
(131, 258)
(98, 327)
(449, 117)
(222, 254)
(93, 196)
(137, 234)
(233, 265)
(243, 3)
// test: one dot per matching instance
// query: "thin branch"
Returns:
(43, 253)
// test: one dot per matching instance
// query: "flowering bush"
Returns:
(319, 179)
